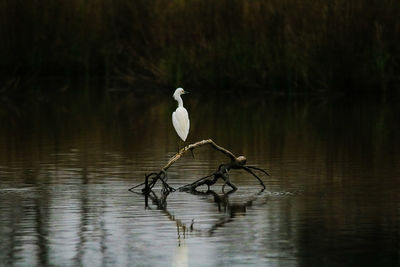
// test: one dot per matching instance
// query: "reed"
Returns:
(288, 46)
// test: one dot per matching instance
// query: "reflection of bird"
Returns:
(180, 117)
(181, 255)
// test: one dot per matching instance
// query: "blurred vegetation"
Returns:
(282, 46)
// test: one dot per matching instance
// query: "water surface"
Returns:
(66, 165)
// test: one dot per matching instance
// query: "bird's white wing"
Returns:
(180, 120)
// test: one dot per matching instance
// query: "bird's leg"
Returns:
(181, 145)
(191, 150)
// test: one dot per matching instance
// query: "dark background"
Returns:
(289, 46)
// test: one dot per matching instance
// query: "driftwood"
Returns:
(221, 173)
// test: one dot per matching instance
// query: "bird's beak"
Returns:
(185, 92)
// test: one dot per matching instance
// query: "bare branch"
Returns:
(195, 145)
(221, 173)
(252, 173)
(259, 169)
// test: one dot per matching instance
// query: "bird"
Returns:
(180, 117)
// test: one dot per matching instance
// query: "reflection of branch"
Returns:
(217, 198)
(222, 202)
(161, 204)
(232, 209)
(221, 173)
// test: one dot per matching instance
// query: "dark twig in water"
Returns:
(259, 169)
(252, 173)
(221, 173)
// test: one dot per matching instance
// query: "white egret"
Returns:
(180, 117)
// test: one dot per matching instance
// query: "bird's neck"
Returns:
(180, 101)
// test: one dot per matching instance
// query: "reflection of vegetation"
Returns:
(259, 128)
(279, 45)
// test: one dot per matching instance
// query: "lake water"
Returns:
(66, 164)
